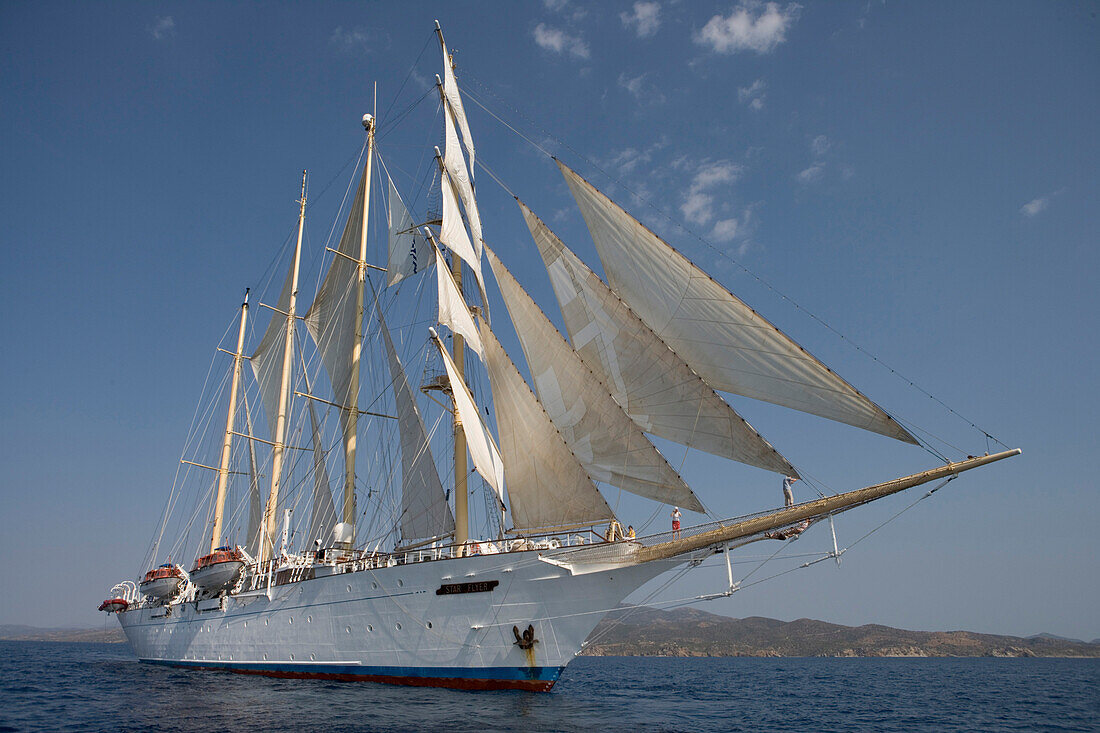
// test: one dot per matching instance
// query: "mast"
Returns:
(223, 467)
(351, 434)
(462, 514)
(268, 544)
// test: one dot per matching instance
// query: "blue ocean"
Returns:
(102, 687)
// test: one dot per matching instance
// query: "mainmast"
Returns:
(223, 467)
(462, 515)
(351, 434)
(268, 544)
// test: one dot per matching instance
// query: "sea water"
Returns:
(102, 687)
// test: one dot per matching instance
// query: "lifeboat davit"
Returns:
(162, 582)
(219, 570)
(114, 605)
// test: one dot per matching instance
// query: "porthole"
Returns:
(348, 629)
(349, 589)
(429, 624)
(246, 624)
(309, 619)
(398, 626)
(400, 582)
(374, 586)
(267, 621)
(370, 628)
(292, 657)
(290, 620)
(265, 656)
(311, 657)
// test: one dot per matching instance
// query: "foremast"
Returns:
(267, 543)
(351, 434)
(223, 466)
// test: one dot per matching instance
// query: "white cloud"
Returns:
(640, 90)
(350, 40)
(558, 41)
(749, 27)
(163, 28)
(555, 5)
(811, 174)
(1035, 206)
(645, 20)
(725, 230)
(820, 145)
(698, 206)
(753, 95)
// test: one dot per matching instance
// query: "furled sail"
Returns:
(454, 100)
(727, 343)
(601, 435)
(267, 360)
(424, 510)
(547, 486)
(331, 320)
(453, 311)
(480, 443)
(408, 249)
(255, 502)
(656, 388)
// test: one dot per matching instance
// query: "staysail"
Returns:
(547, 486)
(424, 510)
(408, 249)
(255, 501)
(656, 388)
(323, 518)
(727, 343)
(267, 360)
(610, 446)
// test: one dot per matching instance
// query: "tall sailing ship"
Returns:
(398, 584)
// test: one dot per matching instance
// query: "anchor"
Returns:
(527, 640)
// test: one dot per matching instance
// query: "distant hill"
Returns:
(689, 632)
(15, 632)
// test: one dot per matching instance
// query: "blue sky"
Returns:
(920, 176)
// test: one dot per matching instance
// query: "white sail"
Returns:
(323, 517)
(453, 231)
(255, 501)
(610, 446)
(267, 360)
(454, 100)
(424, 510)
(726, 342)
(462, 180)
(479, 442)
(547, 486)
(408, 249)
(331, 318)
(656, 388)
(453, 311)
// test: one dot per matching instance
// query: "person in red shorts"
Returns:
(676, 522)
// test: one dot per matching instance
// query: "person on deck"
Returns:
(788, 495)
(676, 522)
(630, 532)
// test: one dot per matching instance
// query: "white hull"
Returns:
(391, 625)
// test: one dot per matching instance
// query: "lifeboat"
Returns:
(219, 570)
(162, 582)
(114, 605)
